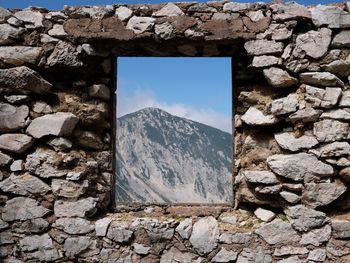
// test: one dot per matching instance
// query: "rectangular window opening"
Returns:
(173, 131)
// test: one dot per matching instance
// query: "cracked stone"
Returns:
(15, 142)
(279, 78)
(13, 118)
(287, 141)
(330, 130)
(261, 177)
(185, 228)
(140, 24)
(323, 79)
(169, 9)
(19, 55)
(285, 105)
(81, 208)
(74, 225)
(316, 237)
(324, 98)
(69, 189)
(263, 47)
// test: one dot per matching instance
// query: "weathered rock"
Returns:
(323, 79)
(339, 67)
(261, 177)
(345, 99)
(119, 232)
(83, 245)
(290, 250)
(58, 124)
(338, 248)
(141, 249)
(265, 61)
(279, 78)
(164, 30)
(47, 255)
(140, 24)
(175, 255)
(341, 229)
(253, 116)
(15, 142)
(313, 43)
(331, 16)
(318, 255)
(169, 9)
(270, 189)
(69, 189)
(305, 115)
(235, 6)
(97, 12)
(81, 208)
(101, 226)
(13, 118)
(322, 194)
(316, 237)
(236, 238)
(334, 149)
(285, 105)
(264, 214)
(60, 144)
(225, 256)
(304, 219)
(37, 225)
(293, 259)
(24, 184)
(185, 228)
(277, 232)
(345, 174)
(35, 242)
(290, 10)
(297, 65)
(41, 107)
(23, 80)
(4, 14)
(74, 225)
(324, 98)
(338, 114)
(99, 91)
(276, 32)
(5, 159)
(21, 208)
(16, 99)
(287, 141)
(57, 31)
(250, 255)
(8, 34)
(290, 197)
(299, 167)
(330, 130)
(205, 235)
(342, 39)
(88, 139)
(123, 13)
(34, 19)
(19, 55)
(263, 47)
(64, 55)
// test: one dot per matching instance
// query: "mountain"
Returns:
(162, 158)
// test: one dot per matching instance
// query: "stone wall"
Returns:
(291, 67)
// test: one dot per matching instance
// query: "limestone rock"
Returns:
(74, 225)
(225, 256)
(13, 118)
(119, 232)
(305, 115)
(290, 197)
(68, 189)
(185, 228)
(290, 250)
(331, 16)
(316, 237)
(318, 255)
(290, 10)
(57, 31)
(60, 144)
(5, 159)
(334, 149)
(24, 184)
(339, 67)
(164, 30)
(88, 139)
(21, 208)
(261, 177)
(9, 34)
(250, 255)
(341, 229)
(101, 226)
(36, 225)
(324, 98)
(253, 116)
(276, 32)
(205, 235)
(123, 13)
(140, 24)
(19, 55)
(322, 194)
(23, 80)
(33, 18)
(338, 114)
(169, 9)
(304, 219)
(82, 245)
(313, 43)
(36, 242)
(263, 47)
(264, 214)
(269, 190)
(287, 141)
(81, 208)
(236, 238)
(265, 61)
(15, 142)
(285, 105)
(4, 14)
(41, 107)
(330, 130)
(323, 79)
(277, 232)
(299, 167)
(17, 99)
(345, 174)
(64, 55)
(235, 6)
(175, 255)
(141, 249)
(345, 99)
(100, 91)
(58, 124)
(279, 78)
(17, 166)
(297, 65)
(342, 39)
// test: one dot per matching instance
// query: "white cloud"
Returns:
(146, 98)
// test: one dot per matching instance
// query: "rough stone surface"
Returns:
(253, 116)
(264, 214)
(342, 39)
(263, 47)
(101, 226)
(19, 55)
(322, 98)
(225, 256)
(15, 142)
(13, 118)
(119, 232)
(69, 189)
(341, 228)
(279, 78)
(288, 141)
(169, 9)
(323, 79)
(140, 24)
(123, 13)
(330, 130)
(74, 225)
(262, 177)
(81, 208)
(9, 34)
(316, 237)
(185, 228)
(285, 105)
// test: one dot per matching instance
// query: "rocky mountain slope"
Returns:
(163, 158)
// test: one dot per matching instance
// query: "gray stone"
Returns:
(224, 16)
(316, 237)
(235, 238)
(6, 238)
(276, 32)
(287, 141)
(293, 259)
(141, 249)
(322, 194)
(4, 14)
(225, 256)
(13, 118)
(36, 242)
(64, 55)
(264, 214)
(338, 248)
(140, 24)
(305, 115)
(169, 9)
(81, 208)
(57, 31)
(101, 226)
(205, 235)
(82, 245)
(261, 177)
(174, 255)
(19, 55)
(47, 255)
(24, 184)
(236, 7)
(330, 130)
(299, 167)
(3, 224)
(323, 79)
(9, 34)
(60, 144)
(5, 159)
(74, 176)
(34, 19)
(119, 232)
(164, 30)
(69, 189)
(313, 43)
(290, 197)
(331, 16)
(228, 219)
(263, 47)
(285, 105)
(297, 65)
(338, 114)
(185, 228)
(250, 255)
(21, 208)
(41, 107)
(290, 250)
(123, 13)
(37, 225)
(23, 80)
(95, 12)
(265, 61)
(318, 255)
(15, 142)
(339, 67)
(279, 78)
(289, 11)
(334, 149)
(100, 91)
(58, 124)
(304, 219)
(88, 139)
(17, 99)
(253, 116)
(341, 229)
(342, 39)
(74, 225)
(44, 38)
(277, 232)
(270, 190)
(14, 22)
(345, 99)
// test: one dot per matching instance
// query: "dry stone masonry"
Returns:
(291, 68)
